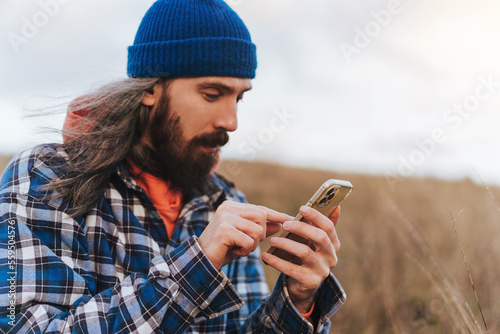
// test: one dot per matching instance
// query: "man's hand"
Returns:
(312, 265)
(236, 229)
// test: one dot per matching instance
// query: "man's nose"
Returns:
(227, 118)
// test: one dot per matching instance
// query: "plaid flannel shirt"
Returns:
(115, 270)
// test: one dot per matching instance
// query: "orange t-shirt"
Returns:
(167, 202)
(308, 315)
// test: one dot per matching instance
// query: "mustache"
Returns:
(215, 139)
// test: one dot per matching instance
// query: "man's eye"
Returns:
(211, 96)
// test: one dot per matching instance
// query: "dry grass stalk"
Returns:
(456, 305)
(453, 220)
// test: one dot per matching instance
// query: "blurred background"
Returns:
(391, 95)
(359, 85)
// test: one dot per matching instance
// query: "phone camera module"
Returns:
(323, 202)
(328, 197)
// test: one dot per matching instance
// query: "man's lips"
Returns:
(209, 149)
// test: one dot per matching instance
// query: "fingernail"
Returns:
(287, 224)
(273, 241)
(305, 210)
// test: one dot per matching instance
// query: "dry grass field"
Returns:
(400, 262)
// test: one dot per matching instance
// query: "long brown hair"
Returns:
(110, 132)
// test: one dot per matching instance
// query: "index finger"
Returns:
(275, 216)
(270, 220)
(249, 211)
(320, 221)
(316, 218)
(274, 220)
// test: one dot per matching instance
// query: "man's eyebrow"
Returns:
(216, 84)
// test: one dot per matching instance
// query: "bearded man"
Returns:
(126, 228)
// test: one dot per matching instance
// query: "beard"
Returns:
(179, 162)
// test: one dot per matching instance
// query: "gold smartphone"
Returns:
(325, 200)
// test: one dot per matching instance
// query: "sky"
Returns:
(400, 88)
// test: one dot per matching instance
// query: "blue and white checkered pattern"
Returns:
(116, 271)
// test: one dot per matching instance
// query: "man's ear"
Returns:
(149, 98)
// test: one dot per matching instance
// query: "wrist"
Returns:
(303, 305)
(302, 301)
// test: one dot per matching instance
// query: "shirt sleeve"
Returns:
(277, 314)
(54, 289)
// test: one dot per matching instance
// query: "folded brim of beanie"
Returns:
(210, 56)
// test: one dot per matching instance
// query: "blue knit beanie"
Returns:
(192, 38)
